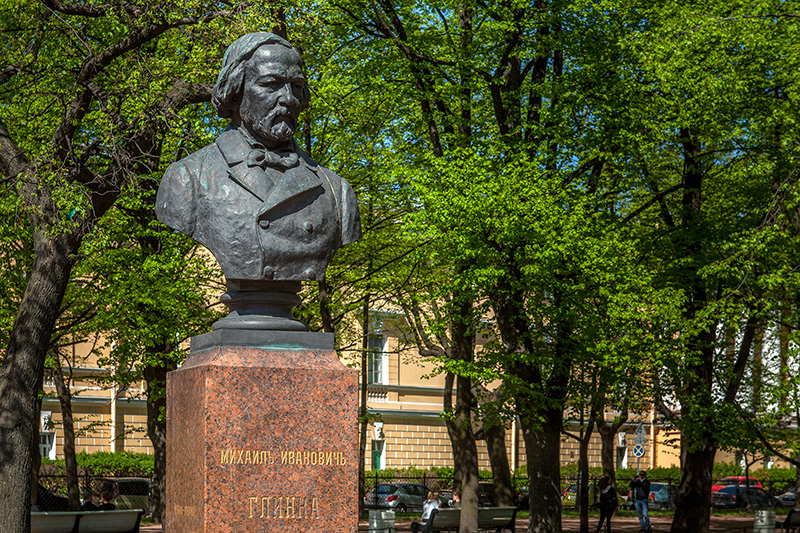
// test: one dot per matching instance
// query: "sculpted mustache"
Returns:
(279, 112)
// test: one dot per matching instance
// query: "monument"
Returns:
(262, 417)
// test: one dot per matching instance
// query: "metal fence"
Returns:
(433, 482)
(569, 488)
(128, 492)
(135, 492)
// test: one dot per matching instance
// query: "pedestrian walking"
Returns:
(608, 503)
(641, 495)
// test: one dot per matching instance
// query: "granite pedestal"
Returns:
(262, 436)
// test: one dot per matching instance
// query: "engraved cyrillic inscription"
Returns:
(283, 457)
(282, 507)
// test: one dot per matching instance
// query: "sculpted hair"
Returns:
(227, 92)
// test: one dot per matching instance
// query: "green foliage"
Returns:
(107, 464)
(444, 473)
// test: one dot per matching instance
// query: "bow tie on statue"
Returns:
(283, 159)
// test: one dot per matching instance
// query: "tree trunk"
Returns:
(495, 434)
(70, 461)
(796, 483)
(362, 407)
(36, 455)
(465, 454)
(608, 434)
(543, 453)
(583, 472)
(22, 372)
(459, 425)
(693, 498)
(698, 447)
(156, 378)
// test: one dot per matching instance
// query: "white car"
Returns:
(787, 498)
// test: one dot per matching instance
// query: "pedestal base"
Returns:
(262, 440)
(260, 305)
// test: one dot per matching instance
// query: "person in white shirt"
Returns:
(427, 508)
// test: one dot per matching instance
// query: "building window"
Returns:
(378, 454)
(622, 451)
(741, 459)
(47, 437)
(46, 445)
(376, 360)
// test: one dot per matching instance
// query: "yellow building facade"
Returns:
(404, 399)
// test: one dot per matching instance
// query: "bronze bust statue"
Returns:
(268, 212)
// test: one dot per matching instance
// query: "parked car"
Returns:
(734, 497)
(485, 496)
(735, 480)
(129, 492)
(662, 497)
(400, 497)
(570, 496)
(787, 498)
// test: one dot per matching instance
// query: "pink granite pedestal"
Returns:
(262, 439)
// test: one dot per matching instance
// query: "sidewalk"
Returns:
(625, 524)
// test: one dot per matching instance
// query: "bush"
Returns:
(104, 464)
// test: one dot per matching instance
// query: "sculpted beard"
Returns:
(276, 126)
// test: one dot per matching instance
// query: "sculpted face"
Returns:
(272, 94)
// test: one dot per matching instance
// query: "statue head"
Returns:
(261, 87)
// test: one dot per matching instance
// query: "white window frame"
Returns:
(378, 446)
(621, 458)
(47, 437)
(377, 360)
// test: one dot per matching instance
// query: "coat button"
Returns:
(269, 272)
(308, 226)
(264, 223)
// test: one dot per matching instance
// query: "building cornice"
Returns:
(93, 400)
(401, 413)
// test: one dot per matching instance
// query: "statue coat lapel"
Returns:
(292, 183)
(234, 150)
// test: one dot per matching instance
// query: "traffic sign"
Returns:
(640, 435)
(638, 450)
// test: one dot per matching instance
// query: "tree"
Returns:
(89, 92)
(715, 165)
(152, 289)
(516, 177)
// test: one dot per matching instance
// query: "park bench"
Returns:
(791, 522)
(494, 519)
(125, 521)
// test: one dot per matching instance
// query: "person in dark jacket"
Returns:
(608, 502)
(641, 495)
(107, 497)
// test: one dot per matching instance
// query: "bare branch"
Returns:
(657, 198)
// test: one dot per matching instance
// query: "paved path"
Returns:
(624, 524)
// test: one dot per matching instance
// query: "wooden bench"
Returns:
(791, 522)
(125, 521)
(495, 519)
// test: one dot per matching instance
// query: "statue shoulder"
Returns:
(176, 201)
(194, 162)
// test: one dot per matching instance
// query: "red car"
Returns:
(735, 480)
